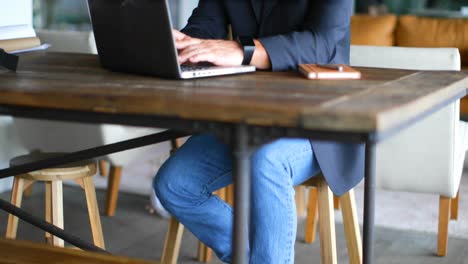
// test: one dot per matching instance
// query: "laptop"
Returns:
(135, 36)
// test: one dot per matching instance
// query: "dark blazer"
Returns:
(293, 32)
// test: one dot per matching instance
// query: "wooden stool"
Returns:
(322, 196)
(81, 172)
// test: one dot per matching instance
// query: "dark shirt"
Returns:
(292, 31)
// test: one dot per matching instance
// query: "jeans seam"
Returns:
(289, 234)
(223, 203)
(206, 187)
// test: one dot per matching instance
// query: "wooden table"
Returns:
(247, 109)
(22, 252)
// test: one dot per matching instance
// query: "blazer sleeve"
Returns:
(208, 21)
(323, 38)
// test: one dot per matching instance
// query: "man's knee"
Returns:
(176, 188)
(269, 157)
(268, 166)
(164, 190)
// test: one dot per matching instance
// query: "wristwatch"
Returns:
(248, 45)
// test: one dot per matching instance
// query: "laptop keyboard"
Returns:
(196, 67)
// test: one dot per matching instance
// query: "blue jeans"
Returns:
(186, 182)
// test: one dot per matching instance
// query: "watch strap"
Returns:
(248, 46)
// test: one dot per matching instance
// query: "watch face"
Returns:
(246, 41)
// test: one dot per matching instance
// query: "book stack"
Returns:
(18, 38)
(16, 30)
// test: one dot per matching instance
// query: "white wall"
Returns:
(9, 148)
(185, 10)
(16, 12)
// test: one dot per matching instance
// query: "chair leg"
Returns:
(444, 215)
(172, 243)
(57, 210)
(326, 224)
(112, 194)
(16, 198)
(93, 212)
(454, 207)
(48, 209)
(311, 220)
(351, 224)
(300, 201)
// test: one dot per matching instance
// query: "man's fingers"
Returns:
(190, 52)
(203, 57)
(178, 35)
(187, 42)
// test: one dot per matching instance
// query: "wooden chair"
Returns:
(442, 137)
(324, 197)
(81, 172)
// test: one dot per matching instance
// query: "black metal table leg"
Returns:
(369, 204)
(241, 173)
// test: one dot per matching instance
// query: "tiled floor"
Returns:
(133, 232)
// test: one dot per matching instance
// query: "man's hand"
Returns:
(218, 52)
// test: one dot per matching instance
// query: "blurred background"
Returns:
(73, 14)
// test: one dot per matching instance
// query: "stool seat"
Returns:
(71, 171)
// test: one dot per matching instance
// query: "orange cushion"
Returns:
(415, 31)
(373, 30)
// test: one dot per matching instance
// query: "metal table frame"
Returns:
(242, 137)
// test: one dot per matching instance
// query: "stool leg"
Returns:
(230, 194)
(93, 211)
(28, 188)
(351, 224)
(16, 198)
(172, 243)
(311, 221)
(112, 194)
(48, 209)
(204, 253)
(57, 210)
(300, 201)
(326, 224)
(103, 168)
(336, 202)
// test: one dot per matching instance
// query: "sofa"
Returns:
(413, 31)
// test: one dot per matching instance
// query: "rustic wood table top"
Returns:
(382, 99)
(23, 252)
